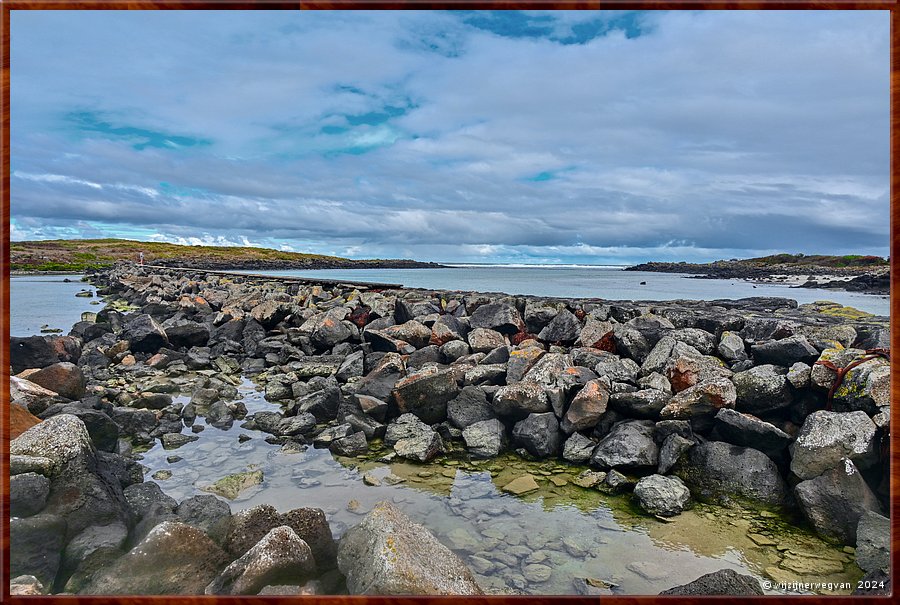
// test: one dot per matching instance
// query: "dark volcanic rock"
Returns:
(144, 334)
(499, 317)
(722, 582)
(426, 394)
(565, 327)
(750, 431)
(469, 407)
(629, 445)
(42, 351)
(62, 377)
(539, 434)
(785, 352)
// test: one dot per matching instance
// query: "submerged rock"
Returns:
(232, 485)
(389, 554)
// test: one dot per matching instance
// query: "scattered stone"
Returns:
(660, 495)
(521, 485)
(230, 486)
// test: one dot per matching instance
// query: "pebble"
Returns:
(521, 485)
(370, 479)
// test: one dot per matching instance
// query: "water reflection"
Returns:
(539, 543)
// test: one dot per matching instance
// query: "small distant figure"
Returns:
(141, 255)
(643, 283)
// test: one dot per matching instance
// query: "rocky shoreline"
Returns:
(672, 402)
(852, 279)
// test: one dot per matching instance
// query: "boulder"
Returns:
(684, 371)
(587, 407)
(144, 335)
(42, 351)
(63, 377)
(280, 557)
(484, 340)
(539, 434)
(630, 343)
(327, 329)
(27, 494)
(485, 438)
(645, 403)
(578, 449)
(380, 381)
(749, 431)
(663, 496)
(188, 334)
(249, 526)
(37, 545)
(103, 431)
(673, 446)
(412, 331)
(27, 398)
(873, 542)
(520, 399)
(704, 399)
(426, 394)
(521, 361)
(717, 471)
(784, 352)
(827, 437)
(731, 347)
(762, 389)
(540, 313)
(350, 445)
(629, 445)
(469, 407)
(497, 316)
(722, 582)
(388, 554)
(597, 335)
(412, 438)
(174, 558)
(835, 501)
(372, 406)
(208, 514)
(268, 313)
(563, 328)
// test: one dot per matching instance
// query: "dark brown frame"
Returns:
(892, 5)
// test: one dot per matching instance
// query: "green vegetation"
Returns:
(821, 260)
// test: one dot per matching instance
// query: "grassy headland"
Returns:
(88, 254)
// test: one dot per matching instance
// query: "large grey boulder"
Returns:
(539, 434)
(722, 582)
(469, 407)
(144, 335)
(564, 328)
(207, 513)
(629, 445)
(41, 351)
(645, 403)
(717, 471)
(389, 554)
(827, 437)
(412, 438)
(660, 495)
(673, 446)
(497, 316)
(27, 494)
(762, 389)
(785, 352)
(835, 501)
(250, 526)
(700, 400)
(174, 558)
(36, 546)
(485, 439)
(873, 542)
(578, 448)
(279, 558)
(749, 431)
(731, 347)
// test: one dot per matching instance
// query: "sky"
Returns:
(597, 137)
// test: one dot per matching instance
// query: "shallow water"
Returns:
(575, 532)
(36, 300)
(611, 283)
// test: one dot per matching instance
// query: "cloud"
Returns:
(580, 136)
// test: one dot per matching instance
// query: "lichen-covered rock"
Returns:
(231, 486)
(587, 407)
(717, 471)
(762, 389)
(412, 438)
(644, 403)
(426, 394)
(704, 399)
(629, 445)
(27, 494)
(469, 407)
(827, 437)
(484, 439)
(873, 542)
(497, 316)
(731, 347)
(280, 557)
(660, 495)
(578, 448)
(520, 399)
(565, 328)
(685, 371)
(389, 554)
(835, 501)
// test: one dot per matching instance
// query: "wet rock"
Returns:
(750, 431)
(206, 513)
(578, 448)
(660, 495)
(835, 501)
(722, 582)
(485, 438)
(521, 485)
(171, 441)
(671, 450)
(539, 434)
(785, 352)
(520, 399)
(762, 389)
(28, 494)
(426, 394)
(716, 471)
(588, 405)
(301, 424)
(174, 558)
(618, 483)
(873, 542)
(704, 399)
(37, 546)
(331, 434)
(230, 486)
(628, 445)
(280, 557)
(537, 573)
(141, 497)
(827, 437)
(64, 378)
(351, 445)
(152, 401)
(497, 316)
(91, 550)
(388, 554)
(143, 334)
(588, 479)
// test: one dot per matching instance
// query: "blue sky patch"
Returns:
(90, 121)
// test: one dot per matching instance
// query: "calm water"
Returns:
(36, 300)
(590, 282)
